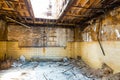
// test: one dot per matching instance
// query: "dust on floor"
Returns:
(66, 70)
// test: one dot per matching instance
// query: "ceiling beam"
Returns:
(14, 8)
(51, 23)
(45, 25)
(46, 22)
(108, 9)
(13, 0)
(29, 8)
(79, 16)
(7, 9)
(88, 8)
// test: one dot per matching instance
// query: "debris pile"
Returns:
(19, 62)
(5, 65)
(113, 77)
(6, 62)
(68, 69)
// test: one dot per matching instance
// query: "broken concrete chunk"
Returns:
(22, 59)
(16, 64)
(6, 64)
(106, 69)
(65, 59)
(112, 77)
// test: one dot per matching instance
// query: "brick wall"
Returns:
(40, 36)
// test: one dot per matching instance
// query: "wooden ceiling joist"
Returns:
(77, 12)
(78, 16)
(87, 8)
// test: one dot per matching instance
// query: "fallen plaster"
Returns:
(66, 70)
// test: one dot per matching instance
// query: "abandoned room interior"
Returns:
(59, 39)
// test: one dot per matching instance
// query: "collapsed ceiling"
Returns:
(76, 12)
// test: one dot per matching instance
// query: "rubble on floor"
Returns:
(6, 62)
(69, 69)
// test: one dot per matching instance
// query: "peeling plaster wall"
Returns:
(108, 27)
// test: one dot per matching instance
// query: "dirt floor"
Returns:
(64, 70)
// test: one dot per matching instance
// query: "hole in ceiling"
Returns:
(48, 9)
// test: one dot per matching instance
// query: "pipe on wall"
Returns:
(98, 35)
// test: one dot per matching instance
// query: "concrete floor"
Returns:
(67, 70)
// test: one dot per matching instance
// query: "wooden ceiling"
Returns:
(76, 13)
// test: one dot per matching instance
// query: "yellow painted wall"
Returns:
(13, 50)
(70, 49)
(108, 27)
(91, 53)
(2, 49)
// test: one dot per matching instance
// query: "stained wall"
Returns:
(40, 36)
(37, 42)
(106, 29)
(3, 37)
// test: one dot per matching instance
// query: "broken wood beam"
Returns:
(88, 8)
(68, 69)
(45, 76)
(18, 22)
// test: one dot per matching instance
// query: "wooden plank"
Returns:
(8, 9)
